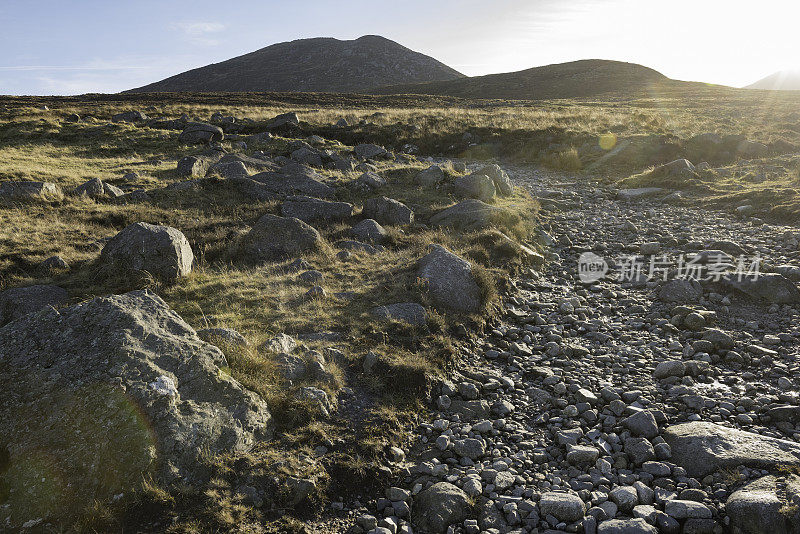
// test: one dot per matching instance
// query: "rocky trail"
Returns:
(633, 406)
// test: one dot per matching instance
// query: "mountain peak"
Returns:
(574, 79)
(321, 64)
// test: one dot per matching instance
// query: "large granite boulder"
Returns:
(285, 123)
(475, 185)
(431, 176)
(26, 190)
(99, 396)
(440, 506)
(761, 507)
(449, 280)
(200, 133)
(312, 209)
(129, 116)
(680, 290)
(369, 151)
(469, 215)
(626, 526)
(19, 301)
(294, 179)
(273, 238)
(562, 506)
(96, 188)
(369, 230)
(197, 166)
(703, 448)
(388, 211)
(408, 312)
(769, 287)
(162, 251)
(502, 182)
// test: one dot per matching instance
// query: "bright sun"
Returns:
(725, 42)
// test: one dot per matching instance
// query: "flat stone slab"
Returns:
(703, 448)
(639, 192)
(760, 506)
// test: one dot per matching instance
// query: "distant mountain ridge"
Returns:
(784, 80)
(312, 65)
(583, 78)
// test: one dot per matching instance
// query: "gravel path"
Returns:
(619, 406)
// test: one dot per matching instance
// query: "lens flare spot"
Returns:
(608, 141)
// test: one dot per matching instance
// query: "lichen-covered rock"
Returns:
(26, 190)
(562, 506)
(274, 238)
(502, 182)
(311, 209)
(162, 251)
(294, 179)
(431, 176)
(475, 185)
(469, 215)
(760, 506)
(197, 166)
(702, 448)
(19, 301)
(680, 290)
(369, 230)
(388, 211)
(440, 506)
(769, 287)
(449, 280)
(369, 151)
(129, 116)
(99, 395)
(96, 188)
(198, 132)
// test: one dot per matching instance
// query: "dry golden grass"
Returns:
(258, 301)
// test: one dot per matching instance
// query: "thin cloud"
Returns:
(198, 28)
(198, 33)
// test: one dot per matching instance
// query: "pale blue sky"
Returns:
(79, 46)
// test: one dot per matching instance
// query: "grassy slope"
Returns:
(258, 301)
